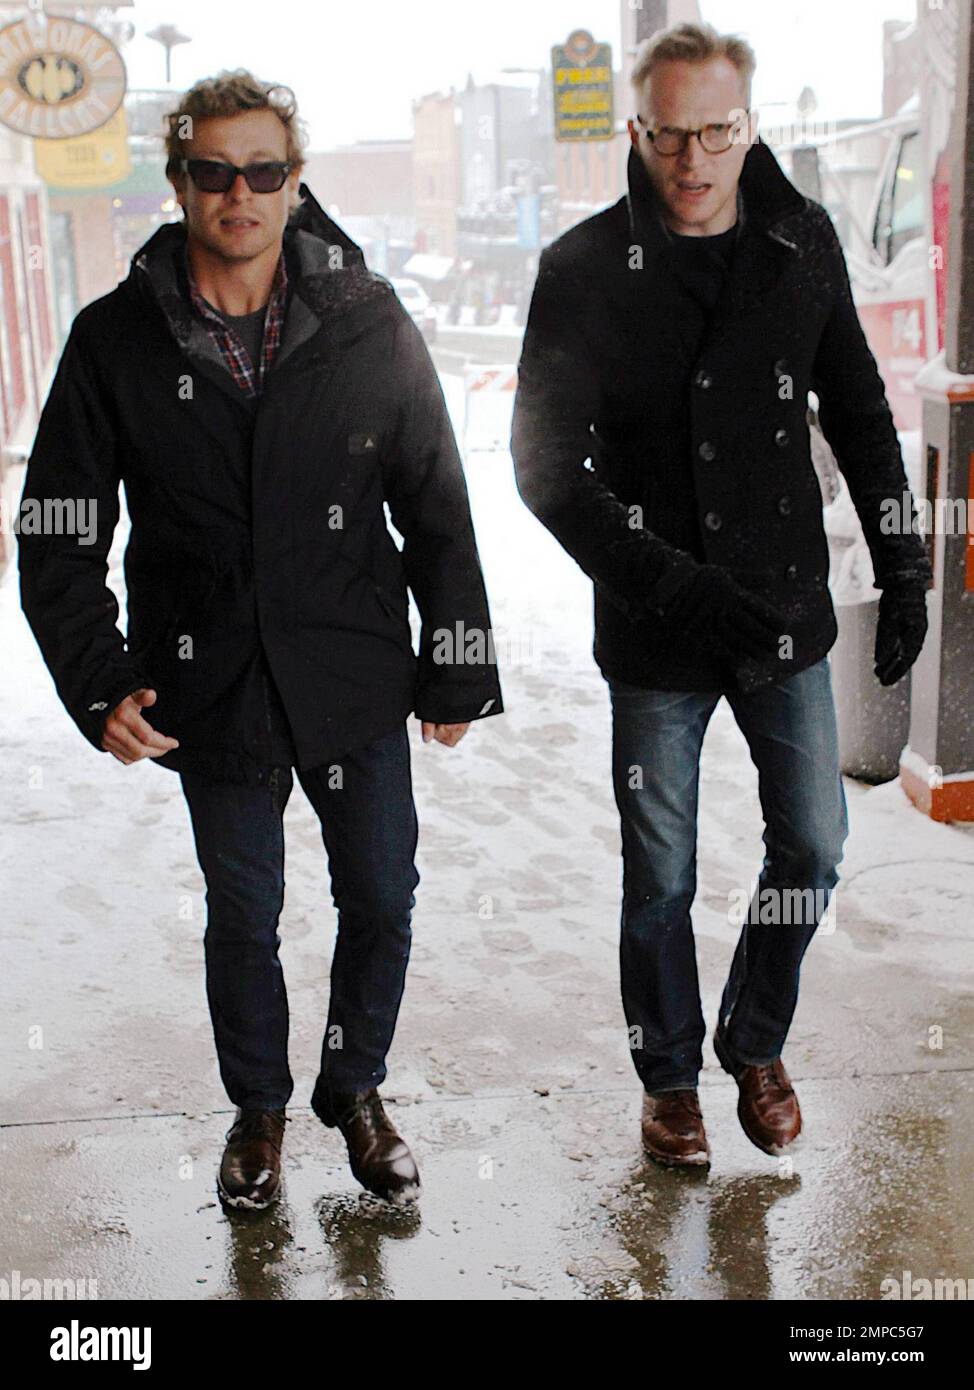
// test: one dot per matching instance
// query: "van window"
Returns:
(899, 219)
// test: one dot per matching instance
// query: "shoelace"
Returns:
(686, 1100)
(260, 1124)
(767, 1077)
(369, 1109)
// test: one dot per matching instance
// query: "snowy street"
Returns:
(510, 1072)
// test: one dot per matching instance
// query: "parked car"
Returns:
(417, 304)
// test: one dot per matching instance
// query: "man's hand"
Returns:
(713, 611)
(901, 628)
(128, 737)
(450, 734)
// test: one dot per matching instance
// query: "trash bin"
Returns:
(873, 720)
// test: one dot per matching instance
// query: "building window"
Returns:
(14, 387)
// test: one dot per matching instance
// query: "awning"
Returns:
(427, 267)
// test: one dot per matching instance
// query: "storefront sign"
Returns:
(58, 77)
(582, 83)
(98, 160)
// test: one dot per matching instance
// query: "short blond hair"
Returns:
(228, 94)
(693, 43)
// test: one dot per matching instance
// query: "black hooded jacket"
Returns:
(650, 435)
(259, 546)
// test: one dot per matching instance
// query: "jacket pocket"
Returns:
(394, 606)
(397, 612)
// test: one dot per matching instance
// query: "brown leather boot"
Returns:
(673, 1132)
(767, 1106)
(250, 1172)
(380, 1158)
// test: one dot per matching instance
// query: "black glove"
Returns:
(901, 628)
(714, 611)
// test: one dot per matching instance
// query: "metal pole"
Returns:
(937, 766)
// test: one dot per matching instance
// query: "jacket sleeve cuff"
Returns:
(91, 719)
(918, 573)
(431, 709)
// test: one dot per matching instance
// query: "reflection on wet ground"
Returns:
(525, 1197)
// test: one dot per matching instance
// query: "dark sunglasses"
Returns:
(213, 176)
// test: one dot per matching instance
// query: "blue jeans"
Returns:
(657, 737)
(369, 827)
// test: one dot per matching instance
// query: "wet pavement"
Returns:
(510, 1073)
(527, 1197)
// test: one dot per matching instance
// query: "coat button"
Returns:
(781, 367)
(782, 438)
(704, 380)
(707, 451)
(784, 506)
(791, 572)
(712, 521)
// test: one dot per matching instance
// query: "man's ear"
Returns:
(293, 196)
(743, 126)
(633, 132)
(178, 182)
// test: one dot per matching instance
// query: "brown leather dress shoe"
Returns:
(250, 1172)
(673, 1132)
(380, 1158)
(767, 1106)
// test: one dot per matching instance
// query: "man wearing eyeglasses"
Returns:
(660, 434)
(263, 396)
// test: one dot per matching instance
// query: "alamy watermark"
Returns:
(18, 1288)
(913, 1290)
(770, 906)
(56, 516)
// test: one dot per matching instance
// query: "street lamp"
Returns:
(169, 36)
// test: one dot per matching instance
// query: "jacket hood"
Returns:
(310, 217)
(307, 224)
(327, 274)
(765, 195)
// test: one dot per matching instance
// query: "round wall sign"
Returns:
(58, 77)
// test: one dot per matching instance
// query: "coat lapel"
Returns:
(758, 265)
(762, 253)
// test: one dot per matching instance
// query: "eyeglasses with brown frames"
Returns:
(715, 138)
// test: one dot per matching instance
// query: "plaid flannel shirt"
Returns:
(231, 348)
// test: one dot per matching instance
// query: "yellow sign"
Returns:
(98, 160)
(582, 84)
(58, 77)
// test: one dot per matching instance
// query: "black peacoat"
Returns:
(643, 456)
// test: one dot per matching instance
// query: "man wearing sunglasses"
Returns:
(263, 396)
(660, 434)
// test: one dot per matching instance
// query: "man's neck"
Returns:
(233, 287)
(691, 232)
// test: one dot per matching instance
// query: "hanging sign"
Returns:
(58, 77)
(582, 85)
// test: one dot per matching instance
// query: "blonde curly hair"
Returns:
(228, 94)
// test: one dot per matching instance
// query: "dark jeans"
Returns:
(657, 736)
(364, 802)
